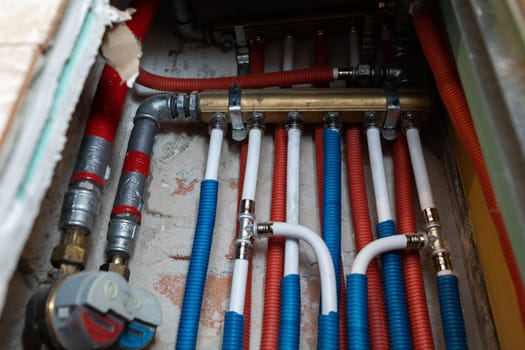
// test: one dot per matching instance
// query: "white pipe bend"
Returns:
(375, 248)
(326, 266)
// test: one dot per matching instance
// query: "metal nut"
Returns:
(66, 253)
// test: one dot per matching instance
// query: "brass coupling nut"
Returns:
(370, 120)
(71, 250)
(408, 121)
(117, 264)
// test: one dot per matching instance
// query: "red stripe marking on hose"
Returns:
(127, 209)
(137, 162)
(87, 176)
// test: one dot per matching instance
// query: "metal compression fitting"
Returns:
(126, 213)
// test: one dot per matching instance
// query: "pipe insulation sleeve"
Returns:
(290, 312)
(291, 257)
(326, 266)
(214, 154)
(375, 152)
(363, 236)
(451, 313)
(200, 254)
(275, 251)
(238, 292)
(331, 225)
(252, 164)
(357, 311)
(250, 81)
(328, 331)
(424, 191)
(394, 286)
(232, 338)
(406, 223)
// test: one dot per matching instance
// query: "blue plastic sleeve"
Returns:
(395, 295)
(200, 254)
(233, 331)
(451, 314)
(357, 312)
(290, 320)
(328, 338)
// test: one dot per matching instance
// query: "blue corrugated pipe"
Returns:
(328, 338)
(332, 206)
(357, 312)
(232, 338)
(451, 314)
(290, 320)
(395, 295)
(200, 254)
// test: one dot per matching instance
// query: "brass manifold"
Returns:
(314, 103)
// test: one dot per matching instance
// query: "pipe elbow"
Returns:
(157, 108)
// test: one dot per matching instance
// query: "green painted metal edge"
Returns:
(503, 188)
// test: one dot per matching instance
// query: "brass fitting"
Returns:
(117, 264)
(70, 255)
(441, 260)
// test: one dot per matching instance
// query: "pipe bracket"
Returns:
(234, 109)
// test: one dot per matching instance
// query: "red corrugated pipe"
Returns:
(275, 253)
(251, 81)
(106, 109)
(363, 235)
(451, 92)
(406, 223)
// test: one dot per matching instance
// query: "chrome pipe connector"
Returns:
(332, 120)
(408, 121)
(416, 240)
(441, 260)
(370, 120)
(264, 229)
(243, 248)
(256, 120)
(218, 120)
(294, 121)
(430, 215)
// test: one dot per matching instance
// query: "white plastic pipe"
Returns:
(326, 266)
(291, 248)
(378, 174)
(252, 164)
(238, 291)
(375, 248)
(214, 154)
(288, 47)
(424, 191)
